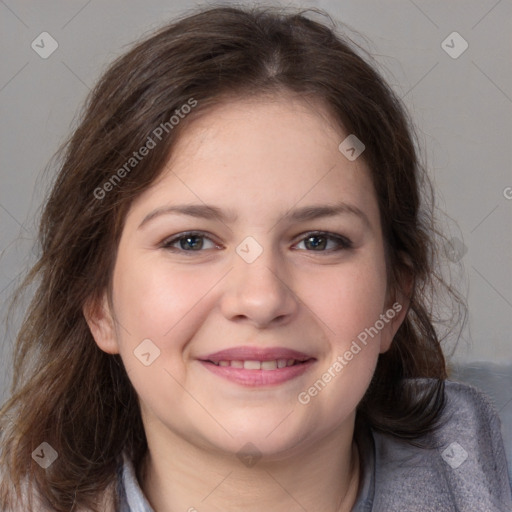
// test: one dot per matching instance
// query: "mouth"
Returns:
(251, 366)
(248, 364)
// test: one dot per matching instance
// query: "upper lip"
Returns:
(246, 353)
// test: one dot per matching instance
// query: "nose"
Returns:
(259, 293)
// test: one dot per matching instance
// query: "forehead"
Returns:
(284, 129)
(269, 152)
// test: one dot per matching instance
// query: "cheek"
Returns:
(348, 302)
(156, 302)
(347, 299)
(166, 305)
(152, 298)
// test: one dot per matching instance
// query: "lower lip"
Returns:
(256, 378)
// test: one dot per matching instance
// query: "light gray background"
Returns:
(462, 108)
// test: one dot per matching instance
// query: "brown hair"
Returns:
(69, 393)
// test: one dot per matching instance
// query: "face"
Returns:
(250, 288)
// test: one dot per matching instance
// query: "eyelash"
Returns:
(343, 242)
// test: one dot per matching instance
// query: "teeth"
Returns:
(259, 365)
(269, 365)
(252, 365)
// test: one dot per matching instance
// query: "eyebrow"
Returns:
(210, 212)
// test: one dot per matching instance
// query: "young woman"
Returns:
(234, 305)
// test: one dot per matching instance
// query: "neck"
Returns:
(323, 477)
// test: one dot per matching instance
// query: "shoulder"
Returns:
(470, 414)
(464, 467)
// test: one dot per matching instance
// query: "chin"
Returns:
(268, 443)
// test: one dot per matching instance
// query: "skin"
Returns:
(259, 159)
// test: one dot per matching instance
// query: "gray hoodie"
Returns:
(467, 472)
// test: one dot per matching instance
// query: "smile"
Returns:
(256, 366)
(259, 365)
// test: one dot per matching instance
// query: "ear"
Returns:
(397, 306)
(100, 320)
